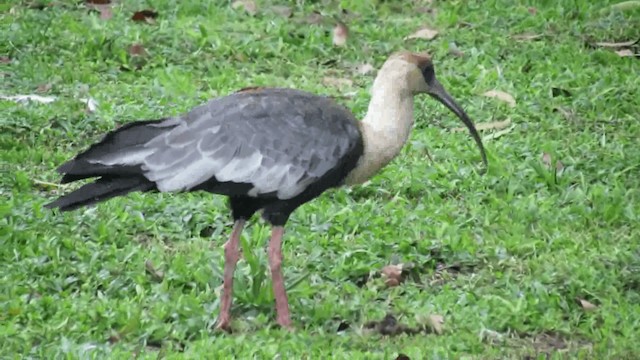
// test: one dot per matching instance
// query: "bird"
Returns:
(269, 150)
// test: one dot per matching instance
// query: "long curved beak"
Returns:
(438, 92)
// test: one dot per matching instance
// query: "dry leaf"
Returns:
(340, 34)
(532, 10)
(559, 166)
(248, 5)
(546, 160)
(5, 60)
(337, 82)
(586, 305)
(617, 44)
(157, 275)
(498, 134)
(392, 275)
(147, 16)
(527, 37)
(424, 33)
(501, 95)
(92, 104)
(436, 323)
(625, 53)
(492, 125)
(98, 2)
(137, 50)
(314, 18)
(27, 98)
(282, 10)
(454, 50)
(364, 69)
(43, 88)
(101, 6)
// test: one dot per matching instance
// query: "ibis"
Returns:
(266, 149)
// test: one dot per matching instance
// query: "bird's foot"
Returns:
(224, 324)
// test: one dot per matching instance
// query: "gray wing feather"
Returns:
(278, 140)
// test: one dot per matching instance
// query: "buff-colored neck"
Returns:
(387, 124)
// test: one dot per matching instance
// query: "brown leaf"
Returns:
(337, 82)
(364, 69)
(145, 15)
(532, 10)
(43, 88)
(492, 125)
(586, 305)
(314, 18)
(617, 44)
(101, 6)
(546, 160)
(436, 323)
(282, 10)
(248, 5)
(559, 166)
(98, 2)
(340, 34)
(625, 53)
(501, 95)
(137, 50)
(157, 275)
(5, 59)
(392, 275)
(454, 50)
(527, 37)
(424, 33)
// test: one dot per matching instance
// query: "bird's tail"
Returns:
(101, 190)
(115, 178)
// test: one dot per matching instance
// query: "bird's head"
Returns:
(415, 74)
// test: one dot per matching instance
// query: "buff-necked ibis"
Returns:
(268, 149)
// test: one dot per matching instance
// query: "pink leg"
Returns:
(275, 262)
(231, 256)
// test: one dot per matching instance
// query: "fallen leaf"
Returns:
(147, 16)
(424, 33)
(498, 134)
(337, 82)
(92, 104)
(623, 6)
(555, 92)
(436, 322)
(248, 5)
(527, 37)
(137, 50)
(26, 98)
(314, 18)
(617, 44)
(559, 166)
(454, 50)
(364, 69)
(532, 10)
(492, 125)
(5, 60)
(501, 95)
(157, 275)
(340, 34)
(625, 53)
(101, 6)
(546, 160)
(586, 305)
(43, 88)
(392, 275)
(282, 10)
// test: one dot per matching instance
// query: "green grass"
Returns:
(525, 244)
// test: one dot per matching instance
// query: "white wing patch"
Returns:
(125, 157)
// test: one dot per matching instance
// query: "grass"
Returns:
(503, 257)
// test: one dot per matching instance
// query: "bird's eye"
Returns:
(428, 74)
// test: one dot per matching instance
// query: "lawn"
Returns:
(538, 256)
